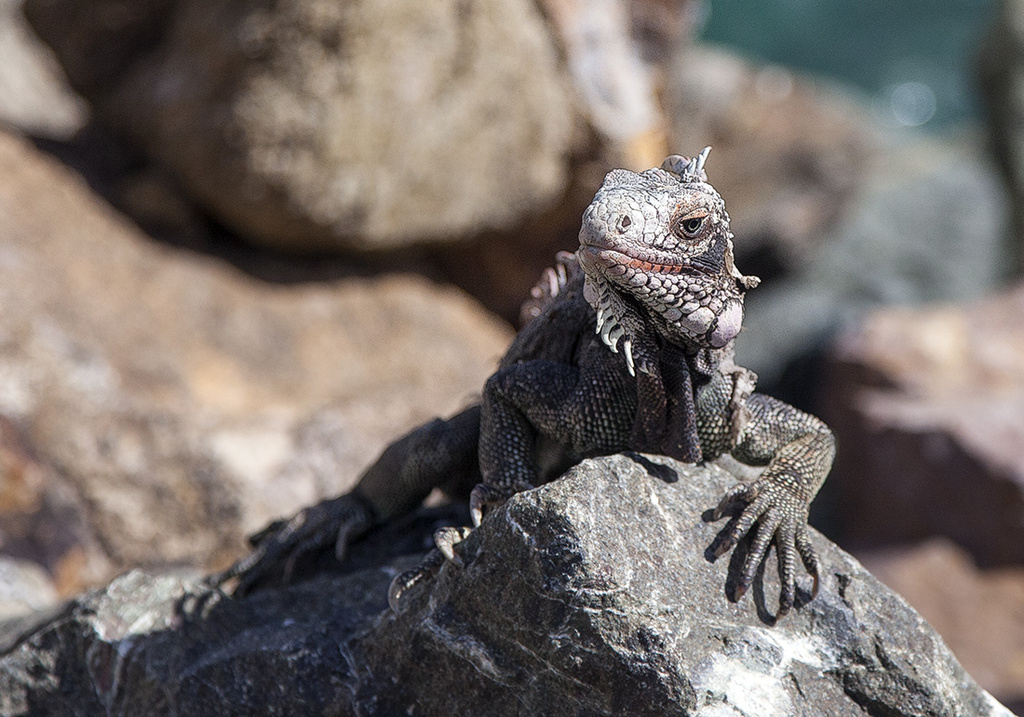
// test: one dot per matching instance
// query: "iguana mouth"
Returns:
(614, 256)
(611, 258)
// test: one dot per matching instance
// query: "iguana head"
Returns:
(659, 243)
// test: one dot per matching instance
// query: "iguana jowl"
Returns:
(630, 350)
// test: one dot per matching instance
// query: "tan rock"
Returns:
(185, 403)
(24, 588)
(315, 123)
(928, 404)
(34, 96)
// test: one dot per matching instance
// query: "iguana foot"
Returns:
(445, 539)
(780, 517)
(277, 547)
(485, 495)
(404, 582)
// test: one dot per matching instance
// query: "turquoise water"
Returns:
(915, 58)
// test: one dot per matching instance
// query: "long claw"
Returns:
(627, 350)
(449, 553)
(476, 507)
(394, 595)
(404, 582)
(256, 538)
(484, 495)
(737, 493)
(289, 567)
(809, 556)
(447, 538)
(345, 535)
(724, 546)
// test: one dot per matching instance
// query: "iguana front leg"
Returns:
(515, 409)
(587, 410)
(797, 450)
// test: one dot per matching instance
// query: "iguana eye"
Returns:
(691, 226)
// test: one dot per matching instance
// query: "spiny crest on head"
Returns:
(688, 170)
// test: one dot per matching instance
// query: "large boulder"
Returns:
(314, 123)
(477, 136)
(590, 595)
(929, 407)
(157, 405)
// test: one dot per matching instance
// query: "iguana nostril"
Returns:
(624, 223)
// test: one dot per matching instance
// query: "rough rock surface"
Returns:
(315, 123)
(591, 595)
(979, 613)
(929, 403)
(158, 404)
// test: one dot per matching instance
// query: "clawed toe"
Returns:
(485, 495)
(739, 493)
(404, 582)
(447, 538)
(769, 517)
(279, 546)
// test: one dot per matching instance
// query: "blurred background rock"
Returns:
(244, 244)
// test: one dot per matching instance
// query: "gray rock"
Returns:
(591, 595)
(977, 612)
(322, 124)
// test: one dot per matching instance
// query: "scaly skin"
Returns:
(628, 348)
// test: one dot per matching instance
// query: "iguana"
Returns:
(629, 348)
